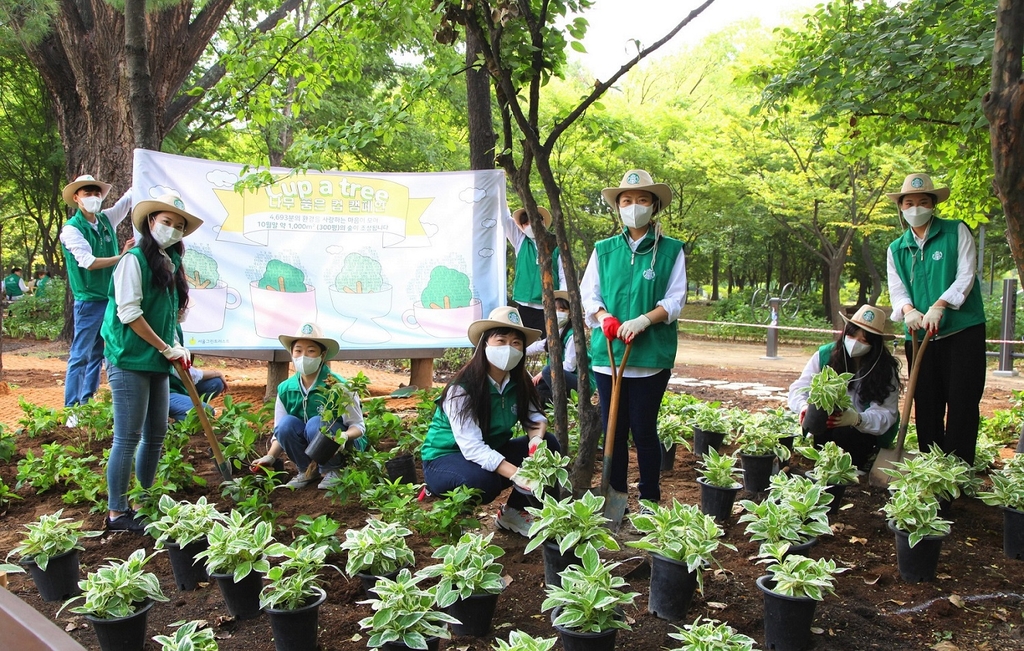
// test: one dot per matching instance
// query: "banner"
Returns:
(379, 261)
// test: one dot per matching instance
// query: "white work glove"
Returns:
(913, 319)
(535, 442)
(930, 322)
(178, 352)
(523, 484)
(630, 329)
(265, 460)
(849, 418)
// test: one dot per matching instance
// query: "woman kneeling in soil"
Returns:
(300, 402)
(873, 421)
(470, 442)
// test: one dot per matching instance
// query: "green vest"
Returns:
(628, 292)
(929, 272)
(92, 285)
(527, 287)
(440, 441)
(311, 404)
(127, 350)
(885, 440)
(41, 286)
(12, 286)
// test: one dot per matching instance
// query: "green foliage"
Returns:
(95, 417)
(449, 516)
(296, 580)
(828, 390)
(719, 469)
(1007, 485)
(49, 536)
(321, 531)
(759, 437)
(520, 641)
(8, 444)
(378, 548)
(467, 568)
(188, 637)
(6, 495)
(404, 613)
(916, 514)
(360, 385)
(799, 576)
(183, 522)
(35, 316)
(932, 473)
(364, 470)
(673, 419)
(38, 419)
(1004, 426)
(590, 597)
(710, 417)
(570, 523)
(795, 511)
(58, 464)
(238, 545)
(118, 588)
(251, 494)
(709, 635)
(546, 468)
(832, 466)
(241, 428)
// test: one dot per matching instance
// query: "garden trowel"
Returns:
(614, 501)
(204, 419)
(886, 457)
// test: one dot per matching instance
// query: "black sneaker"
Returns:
(126, 522)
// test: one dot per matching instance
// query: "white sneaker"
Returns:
(72, 420)
(300, 481)
(330, 480)
(513, 519)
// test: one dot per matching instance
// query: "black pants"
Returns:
(948, 394)
(533, 317)
(544, 387)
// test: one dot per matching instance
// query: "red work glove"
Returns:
(610, 326)
(803, 412)
(534, 443)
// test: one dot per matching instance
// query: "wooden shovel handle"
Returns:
(908, 400)
(613, 404)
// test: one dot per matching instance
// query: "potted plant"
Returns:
(709, 635)
(520, 641)
(237, 558)
(116, 599)
(710, 426)
(404, 616)
(795, 512)
(1008, 492)
(293, 595)
(682, 542)
(826, 396)
(587, 610)
(833, 468)
(470, 582)
(377, 550)
(337, 398)
(914, 519)
(50, 552)
(718, 485)
(547, 468)
(563, 526)
(673, 425)
(935, 473)
(188, 637)
(759, 449)
(785, 423)
(182, 529)
(792, 588)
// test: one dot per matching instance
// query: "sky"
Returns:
(613, 23)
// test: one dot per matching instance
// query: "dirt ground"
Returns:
(976, 603)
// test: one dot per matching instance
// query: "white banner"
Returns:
(380, 261)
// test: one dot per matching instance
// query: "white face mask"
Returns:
(528, 230)
(563, 318)
(165, 236)
(504, 357)
(855, 347)
(91, 204)
(307, 365)
(917, 216)
(635, 215)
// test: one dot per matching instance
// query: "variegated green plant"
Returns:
(570, 523)
(183, 522)
(188, 637)
(799, 576)
(832, 465)
(710, 635)
(1007, 485)
(758, 437)
(546, 467)
(296, 580)
(379, 548)
(933, 472)
(240, 544)
(404, 613)
(520, 641)
(467, 568)
(719, 469)
(118, 588)
(916, 514)
(49, 536)
(590, 598)
(828, 390)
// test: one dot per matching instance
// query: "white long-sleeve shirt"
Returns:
(516, 237)
(568, 352)
(876, 418)
(955, 294)
(76, 243)
(128, 287)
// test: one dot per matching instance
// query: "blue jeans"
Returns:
(179, 404)
(140, 423)
(639, 402)
(295, 435)
(85, 358)
(453, 470)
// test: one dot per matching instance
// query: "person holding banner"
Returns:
(469, 442)
(300, 403)
(527, 290)
(632, 291)
(147, 289)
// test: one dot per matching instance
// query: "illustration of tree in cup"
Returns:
(446, 289)
(201, 270)
(446, 306)
(360, 275)
(361, 292)
(282, 301)
(209, 296)
(282, 277)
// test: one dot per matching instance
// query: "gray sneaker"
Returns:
(513, 519)
(331, 479)
(300, 480)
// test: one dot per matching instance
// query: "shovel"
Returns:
(614, 501)
(218, 455)
(886, 457)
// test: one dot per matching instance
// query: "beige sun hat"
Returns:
(502, 317)
(313, 332)
(871, 319)
(544, 214)
(86, 179)
(562, 294)
(637, 180)
(164, 203)
(919, 184)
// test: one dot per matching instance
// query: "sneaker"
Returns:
(645, 510)
(331, 479)
(126, 522)
(72, 421)
(301, 481)
(513, 519)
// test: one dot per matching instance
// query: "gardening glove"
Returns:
(931, 319)
(803, 412)
(178, 352)
(913, 319)
(630, 329)
(534, 443)
(849, 418)
(524, 485)
(610, 325)
(265, 460)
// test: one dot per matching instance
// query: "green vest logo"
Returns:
(514, 318)
(937, 256)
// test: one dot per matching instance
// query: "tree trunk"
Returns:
(872, 269)
(716, 269)
(140, 83)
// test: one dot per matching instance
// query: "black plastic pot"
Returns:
(704, 441)
(1013, 533)
(475, 613)
(60, 580)
(188, 574)
(788, 442)
(242, 598)
(787, 620)
(432, 645)
(668, 458)
(122, 633)
(672, 588)
(801, 549)
(717, 501)
(369, 581)
(296, 630)
(757, 471)
(920, 562)
(815, 420)
(322, 448)
(576, 641)
(837, 491)
(401, 467)
(555, 563)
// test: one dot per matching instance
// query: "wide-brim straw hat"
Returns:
(637, 180)
(164, 203)
(562, 294)
(502, 317)
(86, 179)
(544, 214)
(919, 184)
(871, 319)
(313, 332)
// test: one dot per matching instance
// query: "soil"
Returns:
(976, 603)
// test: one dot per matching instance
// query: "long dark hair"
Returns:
(163, 277)
(473, 378)
(883, 370)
